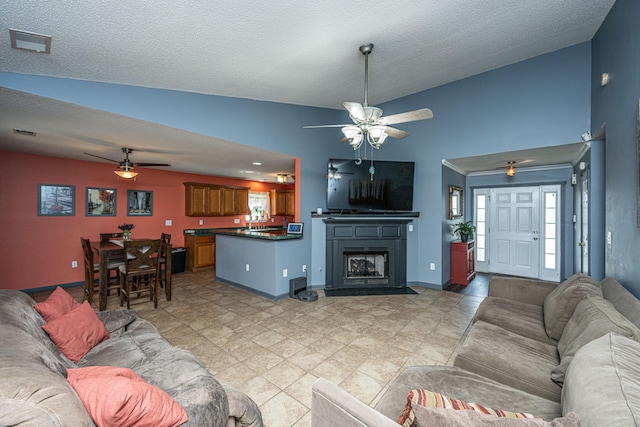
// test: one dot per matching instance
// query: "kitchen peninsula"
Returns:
(259, 260)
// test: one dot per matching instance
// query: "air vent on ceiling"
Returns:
(30, 41)
(24, 132)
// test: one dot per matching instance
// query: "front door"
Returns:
(514, 231)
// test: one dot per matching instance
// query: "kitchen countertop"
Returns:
(269, 233)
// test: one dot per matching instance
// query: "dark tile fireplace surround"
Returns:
(366, 253)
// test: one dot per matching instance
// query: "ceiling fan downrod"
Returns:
(366, 50)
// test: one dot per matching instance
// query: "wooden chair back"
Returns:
(142, 256)
(89, 269)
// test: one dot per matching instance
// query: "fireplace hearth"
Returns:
(366, 253)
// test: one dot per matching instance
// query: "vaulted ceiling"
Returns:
(303, 53)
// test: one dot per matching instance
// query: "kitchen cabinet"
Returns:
(283, 202)
(462, 262)
(215, 200)
(201, 252)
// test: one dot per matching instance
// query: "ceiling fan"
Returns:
(369, 124)
(125, 168)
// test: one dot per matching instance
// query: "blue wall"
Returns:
(540, 102)
(616, 50)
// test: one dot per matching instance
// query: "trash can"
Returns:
(178, 259)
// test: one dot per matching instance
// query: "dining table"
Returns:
(105, 251)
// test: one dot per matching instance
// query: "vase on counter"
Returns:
(126, 234)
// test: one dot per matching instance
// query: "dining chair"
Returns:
(165, 264)
(141, 268)
(92, 270)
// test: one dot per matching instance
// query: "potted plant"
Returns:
(464, 230)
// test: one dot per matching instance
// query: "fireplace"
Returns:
(366, 253)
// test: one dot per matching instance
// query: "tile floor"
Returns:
(275, 350)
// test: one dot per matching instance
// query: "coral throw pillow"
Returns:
(77, 332)
(430, 399)
(118, 397)
(58, 304)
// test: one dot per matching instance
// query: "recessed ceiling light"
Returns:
(257, 163)
(246, 171)
(30, 41)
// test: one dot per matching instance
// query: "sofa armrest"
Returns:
(529, 291)
(331, 406)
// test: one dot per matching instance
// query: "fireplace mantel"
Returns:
(353, 239)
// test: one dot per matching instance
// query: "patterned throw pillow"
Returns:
(430, 399)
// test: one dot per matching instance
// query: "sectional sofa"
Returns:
(566, 353)
(51, 377)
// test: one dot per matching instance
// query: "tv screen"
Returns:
(352, 188)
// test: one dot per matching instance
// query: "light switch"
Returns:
(168, 223)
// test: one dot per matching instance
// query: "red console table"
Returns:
(462, 262)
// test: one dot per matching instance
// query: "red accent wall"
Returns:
(37, 251)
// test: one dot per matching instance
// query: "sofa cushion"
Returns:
(434, 417)
(521, 318)
(593, 318)
(602, 383)
(57, 305)
(430, 399)
(77, 332)
(465, 385)
(119, 397)
(511, 359)
(559, 304)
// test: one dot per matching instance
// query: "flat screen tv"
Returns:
(351, 188)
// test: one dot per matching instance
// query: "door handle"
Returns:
(535, 238)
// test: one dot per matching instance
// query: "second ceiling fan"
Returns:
(368, 122)
(125, 167)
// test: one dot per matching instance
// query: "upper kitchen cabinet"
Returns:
(215, 200)
(282, 202)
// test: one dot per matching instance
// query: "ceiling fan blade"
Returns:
(409, 116)
(327, 126)
(355, 110)
(103, 158)
(150, 164)
(396, 133)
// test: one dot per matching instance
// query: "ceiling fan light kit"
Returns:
(125, 173)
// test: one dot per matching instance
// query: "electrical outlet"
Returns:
(236, 220)
(285, 273)
(201, 221)
(247, 267)
(168, 222)
(432, 266)
(74, 264)
(304, 268)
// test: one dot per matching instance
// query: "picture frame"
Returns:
(100, 201)
(456, 202)
(139, 203)
(295, 228)
(56, 200)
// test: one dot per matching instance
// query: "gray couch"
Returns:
(533, 347)
(34, 390)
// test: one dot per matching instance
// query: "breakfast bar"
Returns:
(259, 260)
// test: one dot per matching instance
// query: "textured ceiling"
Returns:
(297, 52)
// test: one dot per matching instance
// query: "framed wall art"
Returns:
(139, 203)
(56, 200)
(101, 202)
